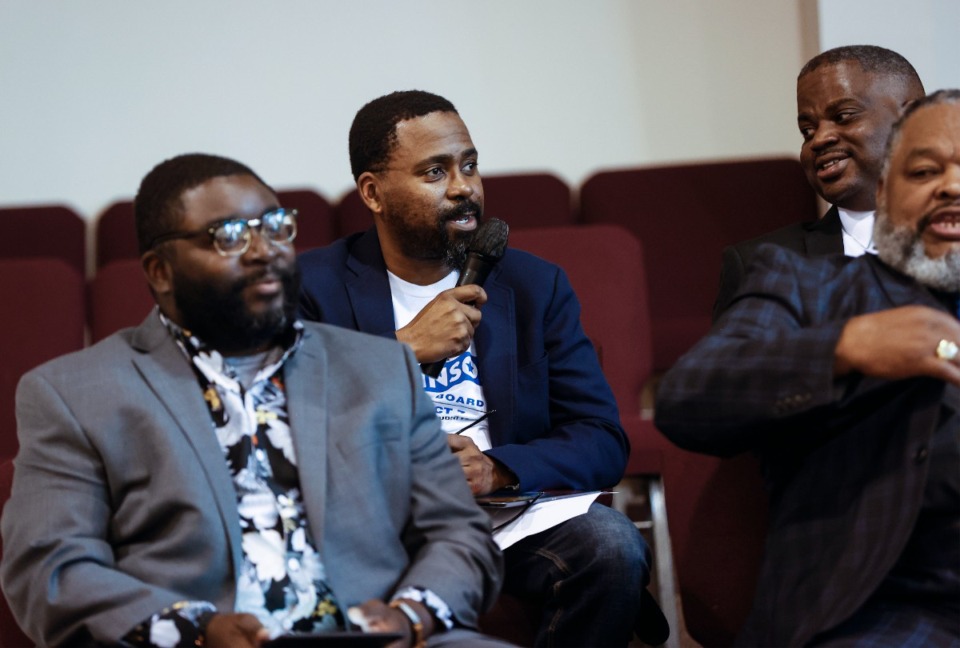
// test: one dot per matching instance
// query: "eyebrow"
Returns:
(926, 152)
(444, 158)
(833, 106)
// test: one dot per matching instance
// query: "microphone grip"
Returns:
(475, 271)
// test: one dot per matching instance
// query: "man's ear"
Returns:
(368, 186)
(156, 268)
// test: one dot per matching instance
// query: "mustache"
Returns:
(282, 271)
(464, 208)
(927, 218)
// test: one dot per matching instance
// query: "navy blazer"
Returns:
(845, 457)
(556, 423)
(815, 238)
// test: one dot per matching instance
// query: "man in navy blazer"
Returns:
(523, 375)
(215, 476)
(847, 100)
(844, 375)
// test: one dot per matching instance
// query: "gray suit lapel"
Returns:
(307, 407)
(169, 376)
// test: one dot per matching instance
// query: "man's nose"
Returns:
(462, 185)
(950, 184)
(260, 247)
(824, 135)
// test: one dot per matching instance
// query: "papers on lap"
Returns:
(512, 522)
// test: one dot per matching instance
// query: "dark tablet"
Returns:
(330, 639)
(507, 501)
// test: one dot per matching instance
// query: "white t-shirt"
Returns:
(457, 392)
(857, 232)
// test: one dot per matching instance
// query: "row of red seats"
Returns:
(715, 507)
(684, 214)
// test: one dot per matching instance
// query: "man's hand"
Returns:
(898, 343)
(445, 326)
(484, 475)
(235, 631)
(380, 617)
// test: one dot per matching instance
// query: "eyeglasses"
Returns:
(231, 237)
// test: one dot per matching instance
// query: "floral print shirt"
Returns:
(282, 579)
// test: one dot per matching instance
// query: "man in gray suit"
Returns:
(223, 473)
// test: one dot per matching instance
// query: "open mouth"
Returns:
(945, 223)
(831, 165)
(463, 220)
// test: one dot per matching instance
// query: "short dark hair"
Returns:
(373, 133)
(947, 95)
(158, 207)
(870, 58)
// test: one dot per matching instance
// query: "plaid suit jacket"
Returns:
(845, 458)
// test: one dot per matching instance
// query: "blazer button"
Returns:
(921, 455)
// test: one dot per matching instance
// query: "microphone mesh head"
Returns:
(490, 239)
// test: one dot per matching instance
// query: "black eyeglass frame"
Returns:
(249, 224)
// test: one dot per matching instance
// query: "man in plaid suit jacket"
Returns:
(844, 375)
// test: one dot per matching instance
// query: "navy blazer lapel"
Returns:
(825, 235)
(496, 344)
(368, 287)
(166, 371)
(307, 408)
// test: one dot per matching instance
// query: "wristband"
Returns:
(419, 641)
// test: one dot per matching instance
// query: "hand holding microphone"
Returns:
(485, 250)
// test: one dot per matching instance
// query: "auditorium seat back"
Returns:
(53, 231)
(45, 317)
(685, 215)
(118, 297)
(11, 636)
(605, 265)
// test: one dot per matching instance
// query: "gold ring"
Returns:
(947, 350)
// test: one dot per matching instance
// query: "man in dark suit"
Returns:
(523, 375)
(847, 100)
(844, 375)
(215, 476)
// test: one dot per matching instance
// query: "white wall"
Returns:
(94, 93)
(924, 31)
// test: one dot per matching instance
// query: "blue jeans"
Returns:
(587, 574)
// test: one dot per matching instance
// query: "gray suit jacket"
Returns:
(122, 503)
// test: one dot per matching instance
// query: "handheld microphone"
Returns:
(486, 248)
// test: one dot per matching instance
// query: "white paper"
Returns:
(539, 517)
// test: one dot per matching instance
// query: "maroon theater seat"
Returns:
(522, 200)
(52, 231)
(316, 226)
(45, 318)
(685, 215)
(119, 297)
(605, 265)
(11, 636)
(115, 235)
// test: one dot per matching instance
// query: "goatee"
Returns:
(901, 247)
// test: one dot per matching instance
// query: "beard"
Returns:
(220, 317)
(435, 242)
(901, 247)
